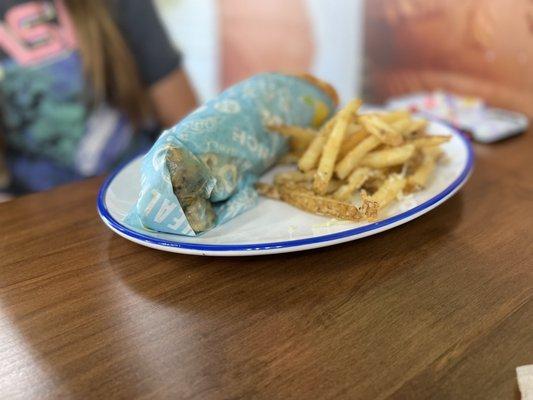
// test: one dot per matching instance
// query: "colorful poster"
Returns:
(471, 47)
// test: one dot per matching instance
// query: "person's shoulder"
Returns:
(143, 30)
(132, 7)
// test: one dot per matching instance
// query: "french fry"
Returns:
(299, 137)
(388, 157)
(333, 186)
(356, 179)
(385, 153)
(389, 191)
(309, 159)
(374, 125)
(430, 141)
(420, 177)
(332, 147)
(311, 202)
(418, 125)
(395, 116)
(433, 151)
(413, 163)
(402, 126)
(350, 141)
(350, 160)
(266, 190)
(305, 181)
(294, 176)
(353, 127)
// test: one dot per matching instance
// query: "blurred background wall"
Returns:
(194, 27)
(227, 40)
(374, 48)
(473, 47)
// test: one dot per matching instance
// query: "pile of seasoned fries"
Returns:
(356, 164)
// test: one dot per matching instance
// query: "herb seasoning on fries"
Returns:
(356, 164)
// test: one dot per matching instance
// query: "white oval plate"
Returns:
(276, 227)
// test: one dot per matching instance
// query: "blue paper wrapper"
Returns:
(200, 173)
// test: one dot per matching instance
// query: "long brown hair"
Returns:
(108, 63)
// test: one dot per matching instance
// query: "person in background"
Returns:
(84, 86)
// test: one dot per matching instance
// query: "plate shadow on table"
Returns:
(305, 294)
(334, 294)
(352, 267)
(395, 283)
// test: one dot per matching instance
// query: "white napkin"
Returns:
(524, 374)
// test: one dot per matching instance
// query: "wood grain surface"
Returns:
(439, 308)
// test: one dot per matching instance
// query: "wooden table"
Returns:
(439, 308)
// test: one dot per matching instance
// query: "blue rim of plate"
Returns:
(106, 215)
